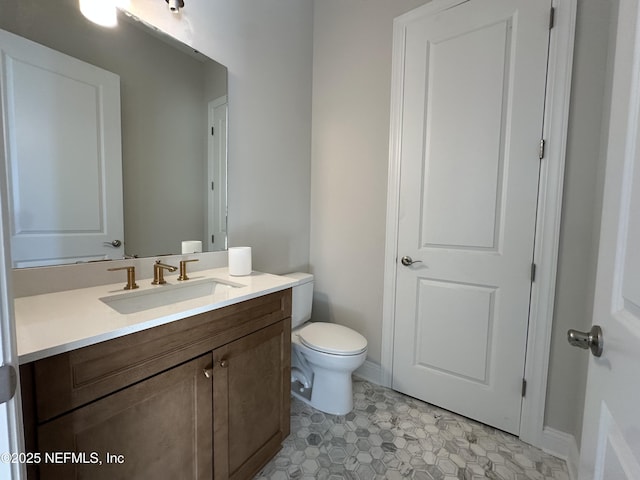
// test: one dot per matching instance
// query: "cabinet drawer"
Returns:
(72, 379)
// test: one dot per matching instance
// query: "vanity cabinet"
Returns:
(206, 397)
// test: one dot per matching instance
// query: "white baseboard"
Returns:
(562, 445)
(370, 371)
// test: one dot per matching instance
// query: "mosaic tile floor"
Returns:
(391, 436)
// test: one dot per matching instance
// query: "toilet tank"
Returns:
(302, 298)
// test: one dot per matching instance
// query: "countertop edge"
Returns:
(32, 356)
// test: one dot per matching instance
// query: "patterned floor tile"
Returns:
(391, 436)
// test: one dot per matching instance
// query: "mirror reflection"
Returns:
(115, 138)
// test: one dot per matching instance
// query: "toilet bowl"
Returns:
(323, 355)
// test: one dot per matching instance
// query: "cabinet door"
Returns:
(251, 383)
(158, 428)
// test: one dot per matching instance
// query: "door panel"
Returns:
(473, 101)
(610, 448)
(64, 155)
(470, 307)
(464, 133)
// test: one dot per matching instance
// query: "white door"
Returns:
(10, 411)
(63, 150)
(474, 77)
(610, 448)
(217, 175)
(11, 436)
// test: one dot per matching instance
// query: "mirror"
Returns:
(173, 140)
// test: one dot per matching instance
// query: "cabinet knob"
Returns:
(224, 363)
(208, 372)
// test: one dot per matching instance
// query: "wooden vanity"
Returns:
(204, 397)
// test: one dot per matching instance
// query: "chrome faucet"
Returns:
(158, 272)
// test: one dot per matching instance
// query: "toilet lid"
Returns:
(332, 338)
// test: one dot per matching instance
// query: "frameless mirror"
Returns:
(115, 138)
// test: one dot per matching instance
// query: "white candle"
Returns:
(239, 261)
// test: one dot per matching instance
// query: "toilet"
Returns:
(323, 355)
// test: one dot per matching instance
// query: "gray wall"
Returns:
(215, 81)
(351, 80)
(350, 157)
(581, 208)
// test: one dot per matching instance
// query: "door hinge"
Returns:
(533, 272)
(213, 130)
(213, 239)
(212, 184)
(541, 151)
(552, 18)
(524, 387)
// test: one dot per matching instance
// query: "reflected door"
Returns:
(216, 221)
(473, 80)
(64, 158)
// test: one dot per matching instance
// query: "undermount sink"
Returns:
(134, 302)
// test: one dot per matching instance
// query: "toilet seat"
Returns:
(332, 338)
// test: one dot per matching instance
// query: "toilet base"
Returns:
(329, 393)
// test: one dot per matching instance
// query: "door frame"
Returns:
(550, 190)
(212, 196)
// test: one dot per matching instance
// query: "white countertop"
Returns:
(54, 323)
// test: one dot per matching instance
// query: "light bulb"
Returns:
(101, 12)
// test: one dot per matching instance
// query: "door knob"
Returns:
(208, 372)
(407, 261)
(115, 244)
(591, 339)
(224, 363)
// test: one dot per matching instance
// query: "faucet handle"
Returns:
(183, 269)
(131, 276)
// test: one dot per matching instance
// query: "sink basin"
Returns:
(134, 302)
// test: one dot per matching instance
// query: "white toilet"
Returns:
(323, 355)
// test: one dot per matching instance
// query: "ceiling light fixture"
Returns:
(175, 5)
(101, 12)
